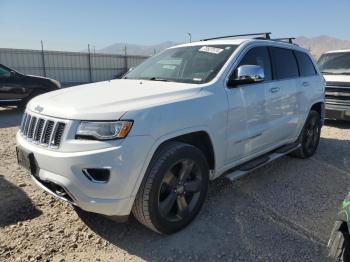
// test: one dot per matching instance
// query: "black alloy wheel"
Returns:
(180, 190)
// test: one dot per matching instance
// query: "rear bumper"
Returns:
(340, 112)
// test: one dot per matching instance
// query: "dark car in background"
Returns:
(17, 89)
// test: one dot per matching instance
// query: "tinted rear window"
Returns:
(284, 63)
(306, 66)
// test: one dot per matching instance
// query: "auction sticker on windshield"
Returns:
(211, 49)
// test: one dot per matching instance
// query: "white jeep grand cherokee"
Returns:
(149, 143)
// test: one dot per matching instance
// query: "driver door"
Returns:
(255, 136)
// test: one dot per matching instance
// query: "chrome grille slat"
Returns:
(45, 131)
(23, 122)
(38, 130)
(53, 134)
(48, 132)
(35, 130)
(56, 140)
(25, 132)
(31, 127)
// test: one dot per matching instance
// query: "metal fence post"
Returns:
(126, 59)
(43, 57)
(89, 61)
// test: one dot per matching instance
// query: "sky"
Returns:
(73, 24)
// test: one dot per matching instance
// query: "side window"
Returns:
(258, 56)
(4, 73)
(306, 66)
(284, 63)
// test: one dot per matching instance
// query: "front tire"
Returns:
(174, 188)
(309, 137)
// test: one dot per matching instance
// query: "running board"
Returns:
(244, 169)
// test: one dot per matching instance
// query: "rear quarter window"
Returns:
(284, 63)
(305, 63)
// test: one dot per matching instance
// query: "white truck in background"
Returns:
(335, 67)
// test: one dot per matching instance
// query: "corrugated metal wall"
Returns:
(70, 68)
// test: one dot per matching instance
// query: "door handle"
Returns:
(306, 83)
(274, 89)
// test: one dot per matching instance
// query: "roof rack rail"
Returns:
(289, 39)
(265, 35)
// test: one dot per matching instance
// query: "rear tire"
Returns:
(309, 137)
(174, 188)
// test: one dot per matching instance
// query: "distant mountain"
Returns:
(320, 44)
(317, 46)
(134, 49)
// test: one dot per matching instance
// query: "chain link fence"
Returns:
(70, 68)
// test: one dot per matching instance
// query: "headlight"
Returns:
(103, 130)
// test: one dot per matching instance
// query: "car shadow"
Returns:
(15, 205)
(130, 236)
(10, 117)
(335, 152)
(337, 123)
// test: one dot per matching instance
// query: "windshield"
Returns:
(191, 64)
(335, 64)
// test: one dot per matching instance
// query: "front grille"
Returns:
(41, 130)
(338, 93)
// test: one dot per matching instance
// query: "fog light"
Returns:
(97, 175)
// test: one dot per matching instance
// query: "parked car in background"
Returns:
(149, 143)
(335, 66)
(17, 88)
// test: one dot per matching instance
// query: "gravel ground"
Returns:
(281, 212)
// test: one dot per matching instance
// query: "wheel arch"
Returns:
(194, 137)
(320, 108)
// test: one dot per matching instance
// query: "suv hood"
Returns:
(109, 100)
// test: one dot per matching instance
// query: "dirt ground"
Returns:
(281, 212)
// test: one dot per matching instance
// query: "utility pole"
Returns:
(43, 57)
(190, 35)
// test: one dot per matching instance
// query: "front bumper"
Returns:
(341, 112)
(125, 161)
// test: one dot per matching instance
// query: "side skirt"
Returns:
(244, 169)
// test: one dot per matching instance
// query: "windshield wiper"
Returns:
(158, 79)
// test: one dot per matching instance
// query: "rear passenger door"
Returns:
(309, 81)
(282, 96)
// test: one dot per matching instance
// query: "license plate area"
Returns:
(26, 160)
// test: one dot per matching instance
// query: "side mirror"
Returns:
(247, 74)
(12, 74)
